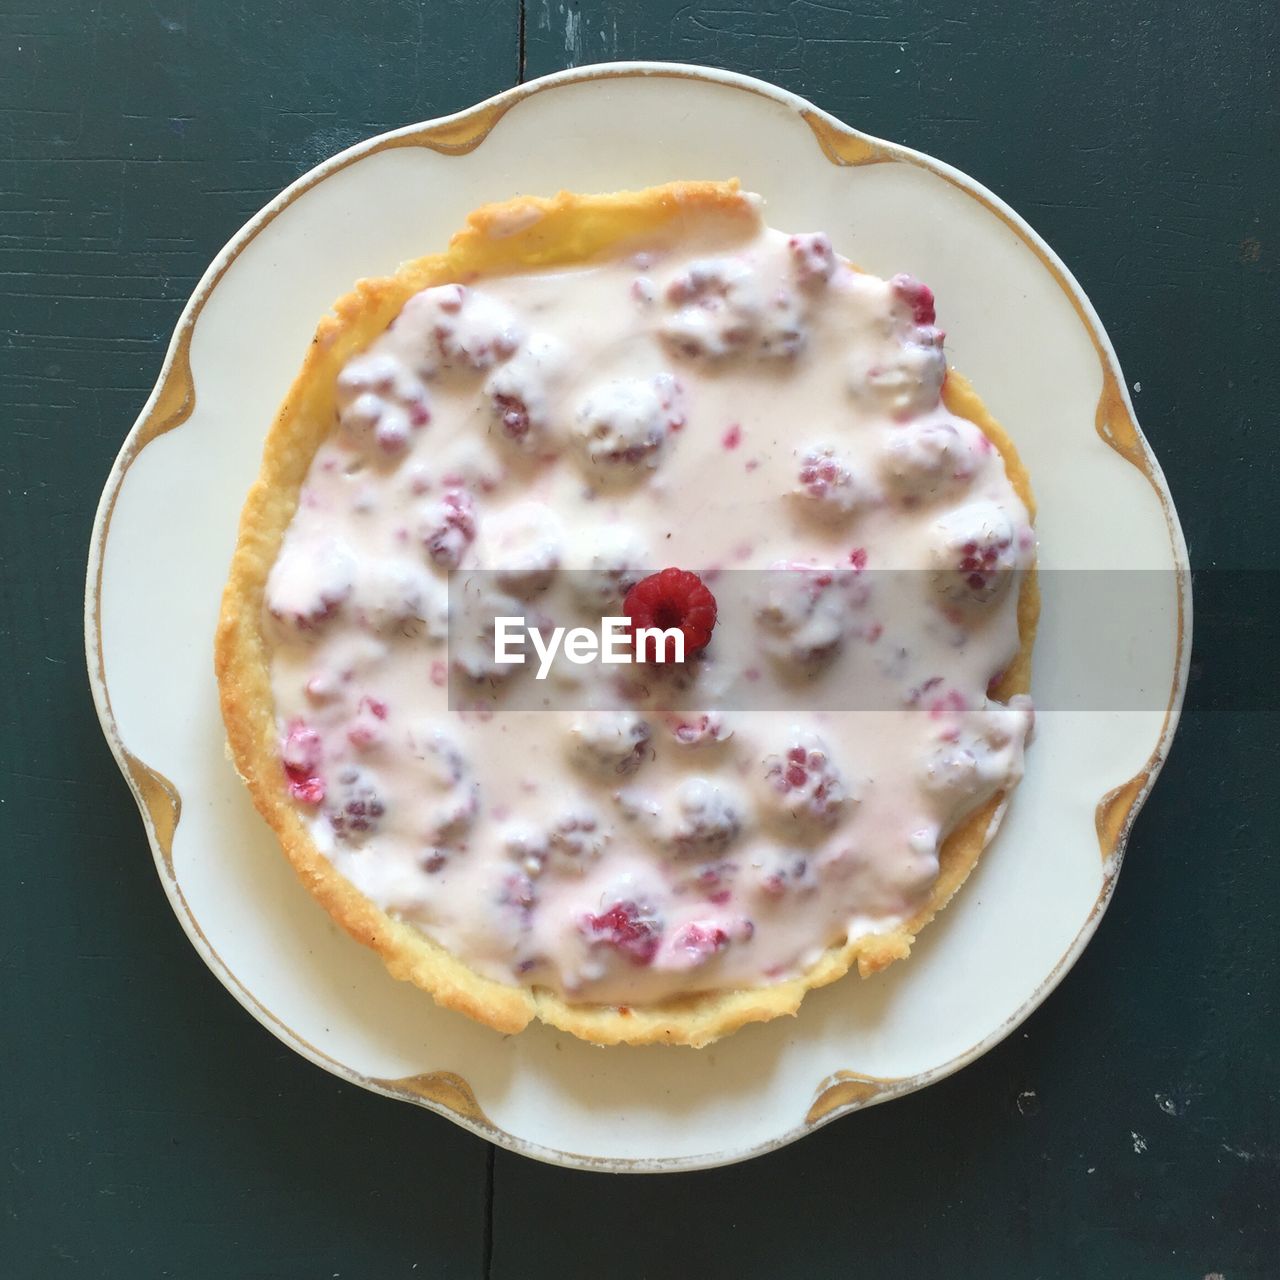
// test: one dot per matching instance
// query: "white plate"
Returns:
(1017, 324)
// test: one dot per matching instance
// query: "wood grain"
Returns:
(150, 1128)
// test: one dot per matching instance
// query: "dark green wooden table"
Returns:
(150, 1128)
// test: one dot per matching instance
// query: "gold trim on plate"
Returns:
(172, 405)
(847, 1089)
(444, 1088)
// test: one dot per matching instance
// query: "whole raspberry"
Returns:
(448, 528)
(673, 599)
(518, 893)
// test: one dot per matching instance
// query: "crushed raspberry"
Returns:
(715, 283)
(576, 840)
(732, 438)
(364, 736)
(671, 397)
(450, 297)
(518, 892)
(674, 598)
(714, 880)
(858, 558)
(951, 703)
(452, 818)
(321, 689)
(450, 529)
(443, 763)
(392, 433)
(915, 695)
(361, 807)
(784, 333)
(513, 414)
(701, 940)
(626, 926)
(813, 257)
(696, 731)
(302, 753)
(955, 768)
(785, 874)
(919, 297)
(934, 697)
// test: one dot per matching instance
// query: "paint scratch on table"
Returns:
(1239, 1152)
(1177, 1100)
(574, 36)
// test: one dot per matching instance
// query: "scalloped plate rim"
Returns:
(131, 448)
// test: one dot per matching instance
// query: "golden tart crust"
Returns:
(509, 237)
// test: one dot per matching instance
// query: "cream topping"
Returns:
(745, 401)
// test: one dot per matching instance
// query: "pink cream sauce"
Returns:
(743, 400)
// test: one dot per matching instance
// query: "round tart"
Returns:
(644, 406)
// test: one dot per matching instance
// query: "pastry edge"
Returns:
(523, 233)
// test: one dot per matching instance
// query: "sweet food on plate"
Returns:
(650, 407)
